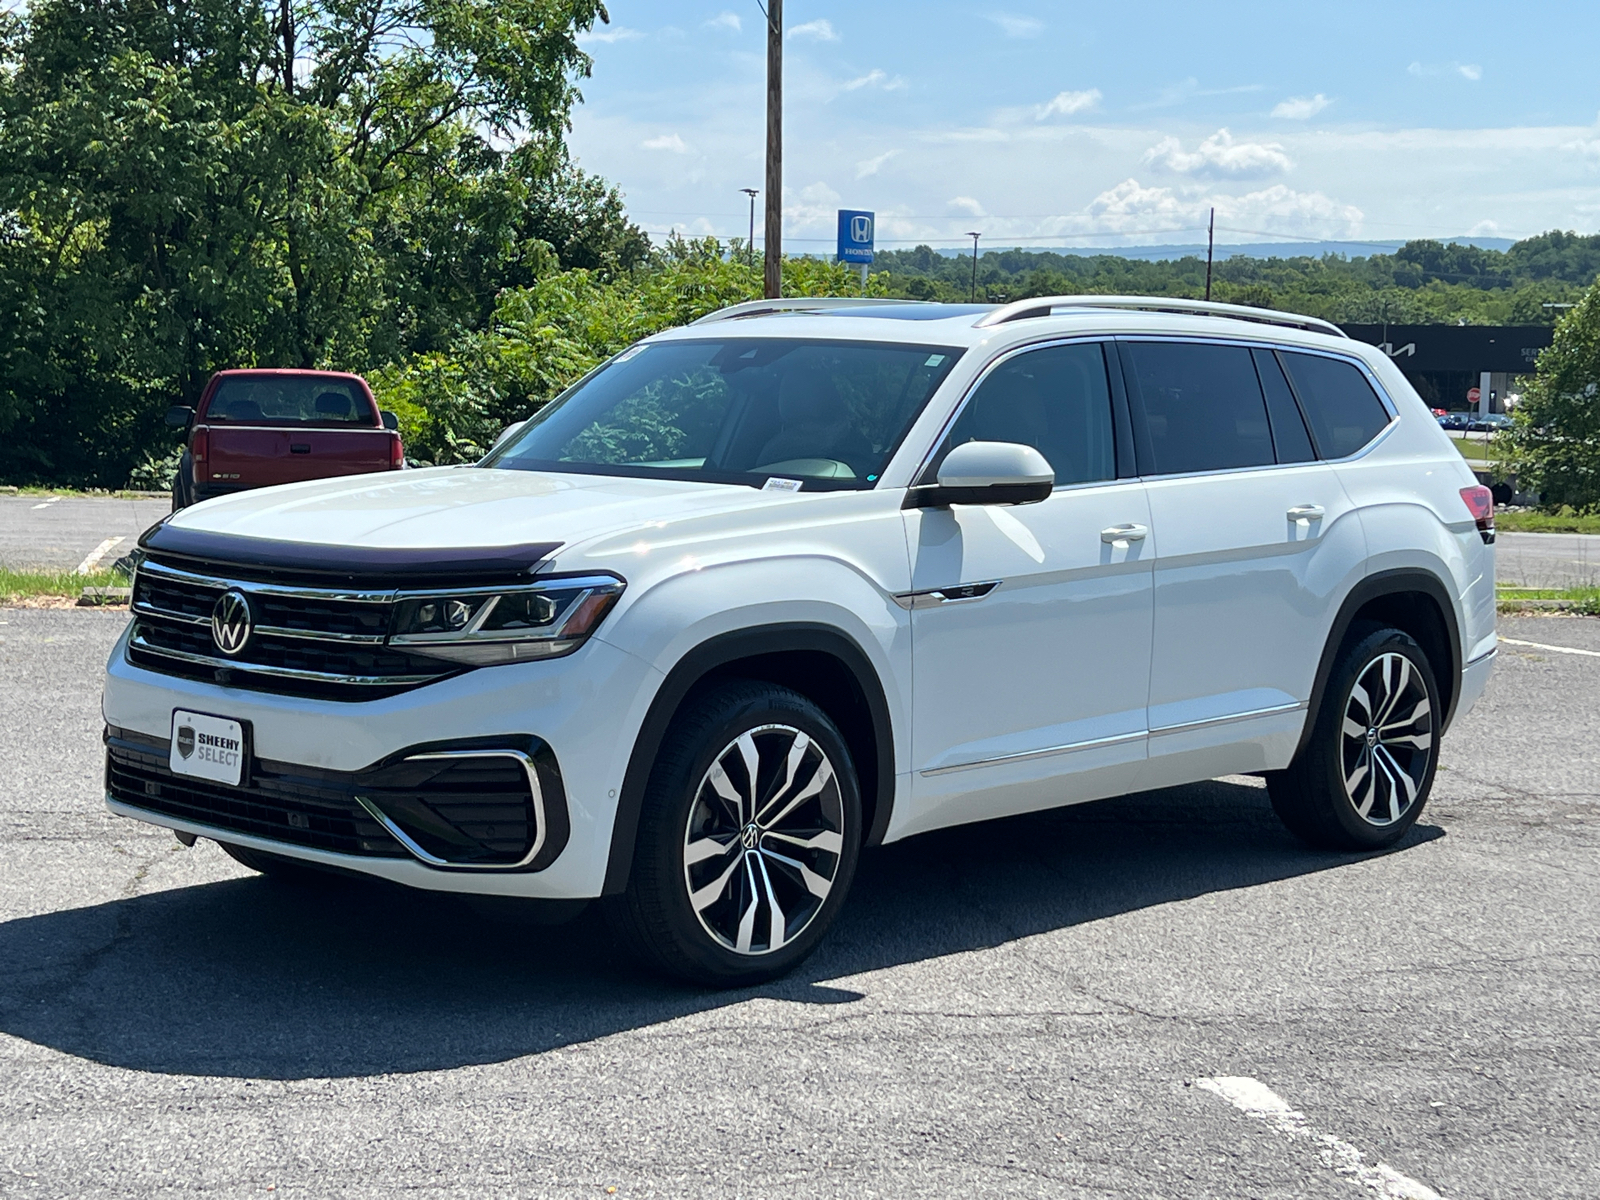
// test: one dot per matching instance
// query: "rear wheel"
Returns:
(1363, 777)
(748, 840)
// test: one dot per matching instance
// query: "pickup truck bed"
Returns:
(259, 428)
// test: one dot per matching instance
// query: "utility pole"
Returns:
(774, 280)
(974, 237)
(750, 246)
(1211, 249)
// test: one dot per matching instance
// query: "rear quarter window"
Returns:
(1344, 412)
(289, 400)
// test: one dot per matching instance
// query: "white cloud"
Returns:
(1220, 155)
(1301, 108)
(727, 20)
(822, 30)
(1485, 229)
(1131, 207)
(1067, 103)
(872, 166)
(619, 33)
(874, 79)
(1469, 71)
(967, 206)
(1017, 27)
(667, 141)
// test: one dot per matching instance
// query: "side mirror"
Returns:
(178, 417)
(988, 473)
(390, 421)
(506, 434)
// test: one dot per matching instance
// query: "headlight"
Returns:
(485, 626)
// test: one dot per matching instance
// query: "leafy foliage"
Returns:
(1555, 443)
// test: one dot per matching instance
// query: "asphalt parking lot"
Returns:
(1017, 1009)
(59, 533)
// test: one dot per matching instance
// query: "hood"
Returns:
(459, 508)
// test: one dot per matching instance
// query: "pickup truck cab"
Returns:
(258, 428)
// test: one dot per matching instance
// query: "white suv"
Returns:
(809, 576)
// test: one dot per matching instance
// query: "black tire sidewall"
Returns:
(1328, 772)
(658, 892)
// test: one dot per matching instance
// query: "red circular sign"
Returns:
(1474, 395)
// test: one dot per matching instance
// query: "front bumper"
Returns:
(586, 708)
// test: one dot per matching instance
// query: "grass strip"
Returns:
(1565, 521)
(18, 587)
(1583, 600)
(67, 493)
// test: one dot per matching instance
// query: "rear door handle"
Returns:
(1124, 533)
(300, 448)
(1307, 513)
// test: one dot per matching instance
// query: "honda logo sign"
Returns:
(857, 234)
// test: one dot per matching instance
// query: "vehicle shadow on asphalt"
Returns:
(259, 979)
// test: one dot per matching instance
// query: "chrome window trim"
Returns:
(417, 852)
(136, 642)
(982, 377)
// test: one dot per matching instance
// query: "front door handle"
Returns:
(1304, 514)
(1124, 534)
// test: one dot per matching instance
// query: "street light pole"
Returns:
(1211, 249)
(774, 273)
(750, 246)
(974, 237)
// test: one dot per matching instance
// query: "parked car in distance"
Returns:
(255, 429)
(1495, 422)
(810, 576)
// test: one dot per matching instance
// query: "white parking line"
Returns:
(97, 554)
(1256, 1099)
(1552, 649)
(46, 504)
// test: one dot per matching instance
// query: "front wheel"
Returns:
(1363, 777)
(748, 839)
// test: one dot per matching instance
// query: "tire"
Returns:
(180, 491)
(277, 867)
(1364, 775)
(727, 888)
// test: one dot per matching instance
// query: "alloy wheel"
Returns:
(1387, 739)
(765, 839)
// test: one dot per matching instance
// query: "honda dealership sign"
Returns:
(857, 233)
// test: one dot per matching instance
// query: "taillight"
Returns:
(200, 444)
(1480, 503)
(397, 452)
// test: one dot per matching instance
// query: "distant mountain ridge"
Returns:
(1229, 250)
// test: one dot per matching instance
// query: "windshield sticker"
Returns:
(781, 485)
(934, 360)
(631, 352)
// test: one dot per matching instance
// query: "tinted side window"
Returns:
(1202, 407)
(1288, 427)
(1056, 400)
(1344, 411)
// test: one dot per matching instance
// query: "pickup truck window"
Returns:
(737, 410)
(289, 400)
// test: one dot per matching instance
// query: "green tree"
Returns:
(1555, 442)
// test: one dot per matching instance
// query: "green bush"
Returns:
(1554, 446)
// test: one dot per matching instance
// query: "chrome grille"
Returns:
(323, 641)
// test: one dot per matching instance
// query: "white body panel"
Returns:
(1060, 673)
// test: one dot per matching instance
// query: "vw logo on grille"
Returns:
(230, 622)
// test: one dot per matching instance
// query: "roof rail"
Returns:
(1043, 306)
(762, 308)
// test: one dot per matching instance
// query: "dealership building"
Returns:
(1445, 362)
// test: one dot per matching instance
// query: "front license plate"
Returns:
(207, 747)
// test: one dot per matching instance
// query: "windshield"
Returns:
(826, 414)
(289, 400)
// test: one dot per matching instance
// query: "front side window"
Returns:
(1345, 413)
(289, 400)
(1056, 400)
(737, 410)
(1202, 407)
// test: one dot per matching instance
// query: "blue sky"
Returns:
(1057, 123)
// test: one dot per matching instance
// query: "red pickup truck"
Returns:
(256, 428)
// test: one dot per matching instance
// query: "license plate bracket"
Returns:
(210, 747)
